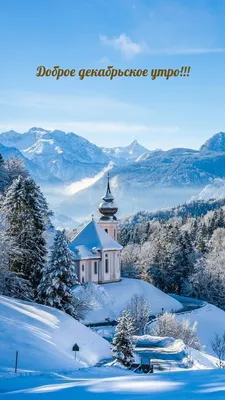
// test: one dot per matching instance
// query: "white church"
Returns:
(97, 253)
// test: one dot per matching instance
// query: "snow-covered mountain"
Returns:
(64, 155)
(39, 174)
(132, 152)
(140, 178)
(215, 190)
(162, 179)
(215, 143)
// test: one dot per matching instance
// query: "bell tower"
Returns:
(108, 209)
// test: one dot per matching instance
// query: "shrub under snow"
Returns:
(167, 325)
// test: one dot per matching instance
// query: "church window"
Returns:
(82, 279)
(106, 230)
(114, 234)
(106, 264)
(95, 267)
(82, 267)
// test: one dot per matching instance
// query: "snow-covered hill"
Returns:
(110, 299)
(211, 320)
(44, 338)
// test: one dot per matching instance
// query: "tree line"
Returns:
(183, 254)
(29, 270)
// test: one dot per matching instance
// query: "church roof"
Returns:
(82, 253)
(94, 238)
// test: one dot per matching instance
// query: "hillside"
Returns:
(110, 299)
(210, 319)
(44, 338)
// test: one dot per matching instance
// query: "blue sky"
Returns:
(179, 112)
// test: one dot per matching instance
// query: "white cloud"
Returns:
(125, 45)
(129, 49)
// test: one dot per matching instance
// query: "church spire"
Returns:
(108, 209)
(108, 195)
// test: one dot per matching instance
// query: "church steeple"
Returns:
(108, 209)
(108, 195)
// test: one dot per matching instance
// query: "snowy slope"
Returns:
(210, 320)
(44, 338)
(215, 190)
(111, 298)
(115, 383)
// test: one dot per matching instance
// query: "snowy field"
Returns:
(211, 319)
(44, 338)
(114, 383)
(111, 298)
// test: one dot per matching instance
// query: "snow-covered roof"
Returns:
(94, 237)
(82, 253)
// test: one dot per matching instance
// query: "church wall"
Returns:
(110, 227)
(113, 273)
(86, 272)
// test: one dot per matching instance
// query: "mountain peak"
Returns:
(37, 129)
(215, 143)
(134, 143)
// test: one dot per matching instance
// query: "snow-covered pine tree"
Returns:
(58, 278)
(13, 285)
(122, 347)
(202, 238)
(4, 178)
(15, 167)
(23, 218)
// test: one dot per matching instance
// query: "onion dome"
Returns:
(108, 208)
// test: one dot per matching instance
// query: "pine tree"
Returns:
(23, 215)
(202, 238)
(4, 177)
(15, 167)
(58, 278)
(122, 347)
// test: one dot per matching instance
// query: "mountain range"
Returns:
(140, 178)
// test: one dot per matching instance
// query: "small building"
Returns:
(97, 252)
